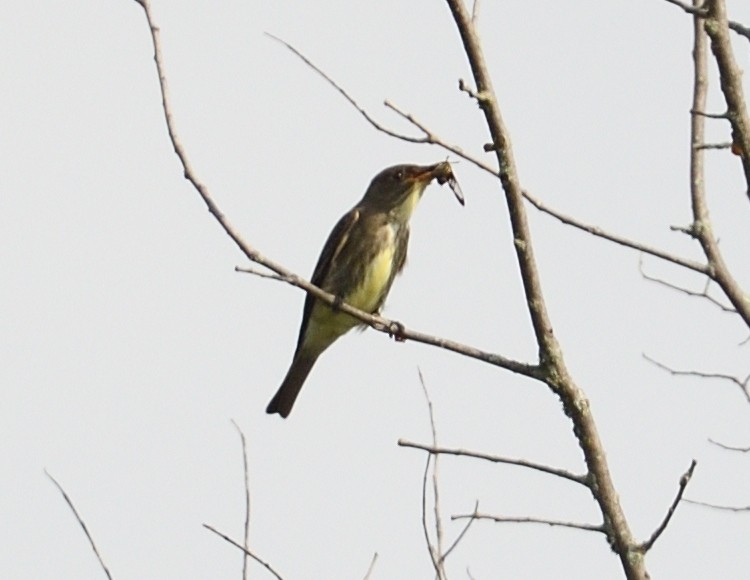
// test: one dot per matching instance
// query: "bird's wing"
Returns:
(400, 258)
(331, 250)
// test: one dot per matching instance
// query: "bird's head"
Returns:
(400, 187)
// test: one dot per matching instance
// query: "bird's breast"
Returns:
(369, 295)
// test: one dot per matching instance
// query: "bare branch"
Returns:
(496, 459)
(475, 10)
(730, 77)
(263, 563)
(434, 556)
(246, 542)
(743, 385)
(371, 567)
(346, 95)
(703, 294)
(697, 10)
(437, 551)
(81, 523)
(600, 233)
(729, 508)
(715, 27)
(739, 29)
(702, 11)
(462, 533)
(729, 447)
(428, 136)
(433, 139)
(259, 274)
(557, 376)
(714, 146)
(702, 113)
(513, 520)
(684, 480)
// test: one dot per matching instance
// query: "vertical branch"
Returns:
(730, 76)
(246, 539)
(501, 144)
(438, 557)
(555, 372)
(737, 114)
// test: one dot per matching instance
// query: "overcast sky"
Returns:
(128, 342)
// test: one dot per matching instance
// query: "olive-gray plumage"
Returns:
(358, 264)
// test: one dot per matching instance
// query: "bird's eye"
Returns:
(399, 175)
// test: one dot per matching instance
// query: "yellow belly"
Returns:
(367, 296)
(326, 325)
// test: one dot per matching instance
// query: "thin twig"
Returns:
(475, 10)
(439, 559)
(433, 139)
(739, 29)
(702, 113)
(743, 385)
(524, 520)
(247, 498)
(81, 523)
(620, 240)
(728, 508)
(687, 291)
(726, 447)
(713, 146)
(425, 529)
(699, 10)
(263, 563)
(684, 480)
(371, 567)
(259, 274)
(428, 136)
(462, 533)
(496, 459)
(369, 118)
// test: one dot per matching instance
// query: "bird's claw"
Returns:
(397, 331)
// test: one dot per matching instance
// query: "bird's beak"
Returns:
(443, 172)
(426, 173)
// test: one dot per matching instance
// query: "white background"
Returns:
(128, 342)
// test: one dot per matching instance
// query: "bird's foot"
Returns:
(396, 331)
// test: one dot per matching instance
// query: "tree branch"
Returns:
(434, 450)
(371, 567)
(524, 520)
(743, 385)
(730, 77)
(436, 551)
(728, 508)
(741, 449)
(600, 233)
(82, 524)
(688, 292)
(263, 563)
(246, 542)
(557, 377)
(684, 480)
(428, 136)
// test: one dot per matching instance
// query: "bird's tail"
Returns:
(283, 400)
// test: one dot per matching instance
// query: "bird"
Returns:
(361, 257)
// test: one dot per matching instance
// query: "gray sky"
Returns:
(128, 342)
